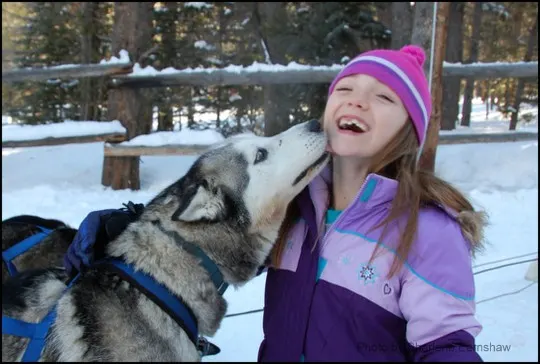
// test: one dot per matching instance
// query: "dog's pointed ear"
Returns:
(200, 202)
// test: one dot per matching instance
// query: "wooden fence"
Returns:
(122, 77)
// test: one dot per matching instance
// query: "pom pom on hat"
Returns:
(416, 52)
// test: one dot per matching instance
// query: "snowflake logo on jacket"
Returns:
(367, 273)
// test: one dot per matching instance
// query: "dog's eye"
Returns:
(261, 155)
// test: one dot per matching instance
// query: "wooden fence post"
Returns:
(132, 31)
(427, 158)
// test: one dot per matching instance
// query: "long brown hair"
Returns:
(416, 188)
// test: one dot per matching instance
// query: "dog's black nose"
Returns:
(314, 126)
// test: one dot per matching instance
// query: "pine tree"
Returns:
(48, 40)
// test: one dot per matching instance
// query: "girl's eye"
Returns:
(343, 88)
(385, 98)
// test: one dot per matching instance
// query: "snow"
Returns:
(235, 97)
(489, 64)
(214, 60)
(64, 182)
(69, 128)
(139, 71)
(184, 137)
(255, 67)
(202, 44)
(197, 5)
(495, 122)
(6, 120)
(124, 58)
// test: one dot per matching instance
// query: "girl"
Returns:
(374, 258)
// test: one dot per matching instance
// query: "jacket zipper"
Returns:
(302, 358)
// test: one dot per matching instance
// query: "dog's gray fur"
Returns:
(229, 206)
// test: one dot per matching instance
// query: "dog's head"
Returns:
(247, 180)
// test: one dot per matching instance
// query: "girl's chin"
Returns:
(344, 153)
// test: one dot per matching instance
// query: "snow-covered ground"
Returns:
(64, 182)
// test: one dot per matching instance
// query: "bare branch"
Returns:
(146, 54)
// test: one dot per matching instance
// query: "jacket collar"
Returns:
(376, 191)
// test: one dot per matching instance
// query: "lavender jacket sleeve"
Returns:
(438, 294)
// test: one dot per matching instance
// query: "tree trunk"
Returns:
(533, 39)
(132, 31)
(270, 17)
(401, 26)
(191, 108)
(168, 50)
(88, 85)
(507, 96)
(427, 158)
(473, 57)
(384, 13)
(479, 90)
(488, 97)
(165, 116)
(454, 54)
(422, 29)
(221, 38)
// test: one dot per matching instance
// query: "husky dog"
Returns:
(50, 250)
(230, 205)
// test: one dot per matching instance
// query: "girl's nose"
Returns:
(360, 103)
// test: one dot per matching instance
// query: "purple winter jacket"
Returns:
(327, 304)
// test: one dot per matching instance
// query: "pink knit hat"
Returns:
(401, 71)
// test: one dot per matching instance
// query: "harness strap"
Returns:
(13, 252)
(213, 270)
(173, 305)
(37, 333)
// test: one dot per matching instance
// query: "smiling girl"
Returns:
(374, 259)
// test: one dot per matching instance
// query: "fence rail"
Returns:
(110, 137)
(123, 75)
(462, 138)
(112, 150)
(67, 71)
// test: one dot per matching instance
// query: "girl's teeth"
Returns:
(350, 122)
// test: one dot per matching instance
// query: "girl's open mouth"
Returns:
(353, 125)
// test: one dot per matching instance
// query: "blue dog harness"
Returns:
(37, 333)
(173, 305)
(11, 253)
